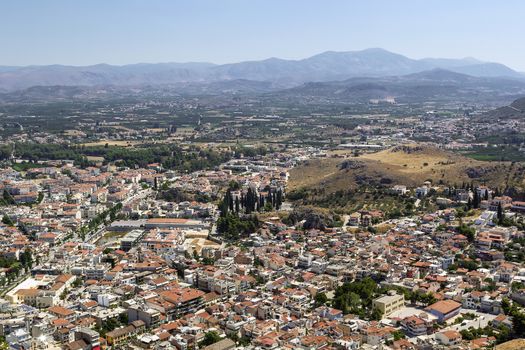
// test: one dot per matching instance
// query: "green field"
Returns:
(499, 153)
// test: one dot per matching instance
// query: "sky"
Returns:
(75, 32)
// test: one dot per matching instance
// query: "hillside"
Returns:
(409, 165)
(516, 110)
(512, 345)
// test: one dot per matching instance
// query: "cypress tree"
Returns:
(237, 205)
(230, 201)
(500, 213)
(279, 199)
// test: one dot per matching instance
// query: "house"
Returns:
(62, 312)
(421, 191)
(518, 207)
(120, 335)
(399, 189)
(483, 192)
(355, 219)
(504, 201)
(449, 338)
(415, 326)
(502, 320)
(225, 344)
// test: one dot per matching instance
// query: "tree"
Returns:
(475, 202)
(6, 220)
(376, 315)
(237, 205)
(234, 185)
(278, 199)
(244, 341)
(210, 338)
(208, 261)
(500, 213)
(467, 231)
(64, 294)
(8, 199)
(518, 323)
(123, 318)
(320, 299)
(232, 226)
(3, 343)
(78, 282)
(398, 334)
(251, 201)
(26, 259)
(230, 201)
(356, 297)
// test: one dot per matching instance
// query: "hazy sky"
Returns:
(130, 31)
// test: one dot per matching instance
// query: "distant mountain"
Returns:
(487, 70)
(441, 75)
(435, 85)
(448, 63)
(323, 67)
(432, 85)
(327, 66)
(102, 74)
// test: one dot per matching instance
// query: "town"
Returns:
(112, 256)
(262, 175)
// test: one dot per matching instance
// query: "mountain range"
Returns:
(280, 73)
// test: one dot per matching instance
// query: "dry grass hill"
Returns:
(516, 344)
(409, 165)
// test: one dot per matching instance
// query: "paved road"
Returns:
(93, 238)
(6, 289)
(481, 321)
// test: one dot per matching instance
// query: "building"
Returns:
(449, 338)
(415, 326)
(149, 316)
(176, 223)
(131, 239)
(389, 303)
(421, 191)
(88, 336)
(444, 309)
(399, 189)
(225, 344)
(121, 335)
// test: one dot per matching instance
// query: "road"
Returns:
(93, 238)
(346, 218)
(481, 321)
(5, 289)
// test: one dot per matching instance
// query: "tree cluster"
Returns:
(232, 226)
(250, 202)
